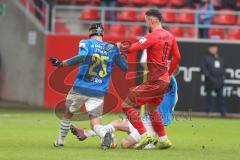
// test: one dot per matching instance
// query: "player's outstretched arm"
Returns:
(69, 62)
(121, 62)
(133, 48)
(56, 62)
(79, 59)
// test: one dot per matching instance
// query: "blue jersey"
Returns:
(168, 103)
(94, 74)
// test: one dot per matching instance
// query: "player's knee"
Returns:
(124, 144)
(68, 114)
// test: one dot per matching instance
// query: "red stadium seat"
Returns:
(89, 14)
(117, 30)
(177, 3)
(141, 15)
(216, 33)
(31, 6)
(127, 15)
(190, 32)
(158, 2)
(106, 29)
(176, 31)
(238, 20)
(139, 2)
(169, 16)
(233, 34)
(135, 30)
(185, 17)
(61, 28)
(225, 19)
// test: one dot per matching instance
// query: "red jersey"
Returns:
(159, 44)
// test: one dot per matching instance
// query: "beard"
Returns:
(149, 29)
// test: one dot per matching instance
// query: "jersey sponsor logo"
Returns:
(142, 40)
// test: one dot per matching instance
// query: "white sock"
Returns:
(109, 128)
(100, 130)
(163, 138)
(64, 129)
(90, 133)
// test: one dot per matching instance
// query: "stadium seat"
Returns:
(176, 31)
(177, 3)
(185, 17)
(158, 2)
(135, 30)
(238, 20)
(106, 29)
(233, 34)
(216, 33)
(225, 19)
(169, 16)
(141, 14)
(89, 14)
(117, 30)
(127, 15)
(61, 28)
(190, 32)
(31, 6)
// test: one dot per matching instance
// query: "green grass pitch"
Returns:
(29, 135)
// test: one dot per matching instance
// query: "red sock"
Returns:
(157, 123)
(134, 118)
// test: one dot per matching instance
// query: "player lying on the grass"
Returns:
(160, 45)
(165, 109)
(96, 59)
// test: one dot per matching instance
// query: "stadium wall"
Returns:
(22, 53)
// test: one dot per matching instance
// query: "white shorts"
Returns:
(134, 132)
(75, 100)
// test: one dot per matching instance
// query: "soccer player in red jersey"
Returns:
(159, 44)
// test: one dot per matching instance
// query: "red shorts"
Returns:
(149, 92)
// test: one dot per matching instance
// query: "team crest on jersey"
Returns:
(142, 40)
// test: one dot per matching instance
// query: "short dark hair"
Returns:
(96, 29)
(155, 13)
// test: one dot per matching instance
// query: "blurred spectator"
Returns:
(230, 4)
(109, 3)
(212, 67)
(206, 13)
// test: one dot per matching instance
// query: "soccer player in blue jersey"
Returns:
(165, 109)
(96, 59)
